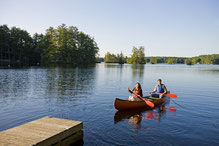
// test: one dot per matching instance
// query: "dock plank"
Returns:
(44, 131)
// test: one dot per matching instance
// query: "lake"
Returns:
(87, 94)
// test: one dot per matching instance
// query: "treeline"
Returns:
(113, 58)
(62, 45)
(169, 60)
(137, 57)
(202, 59)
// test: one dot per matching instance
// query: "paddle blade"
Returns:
(151, 104)
(171, 95)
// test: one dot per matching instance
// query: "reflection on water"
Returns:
(135, 117)
(113, 65)
(135, 121)
(137, 70)
(70, 82)
(63, 83)
(28, 94)
(87, 94)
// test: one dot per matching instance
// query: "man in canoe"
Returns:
(135, 92)
(159, 90)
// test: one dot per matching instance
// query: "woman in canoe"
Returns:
(137, 91)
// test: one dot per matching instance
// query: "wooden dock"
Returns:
(43, 132)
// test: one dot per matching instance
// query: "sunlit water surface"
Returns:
(87, 94)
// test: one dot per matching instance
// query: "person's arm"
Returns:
(131, 91)
(164, 89)
(155, 89)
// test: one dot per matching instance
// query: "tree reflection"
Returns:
(70, 82)
(137, 70)
(113, 65)
(47, 83)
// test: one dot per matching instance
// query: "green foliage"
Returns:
(4, 44)
(112, 58)
(38, 45)
(189, 62)
(180, 60)
(195, 60)
(138, 56)
(171, 61)
(15, 45)
(206, 59)
(100, 59)
(121, 58)
(67, 45)
(64, 45)
(153, 60)
(202, 59)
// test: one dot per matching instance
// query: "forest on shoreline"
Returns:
(69, 46)
(61, 45)
(202, 59)
(137, 57)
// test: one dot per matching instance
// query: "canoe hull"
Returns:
(121, 104)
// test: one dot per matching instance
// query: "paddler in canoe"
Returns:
(135, 92)
(159, 90)
(136, 101)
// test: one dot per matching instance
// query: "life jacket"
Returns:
(160, 89)
(136, 92)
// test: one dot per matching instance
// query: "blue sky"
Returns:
(164, 27)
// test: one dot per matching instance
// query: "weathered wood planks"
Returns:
(43, 132)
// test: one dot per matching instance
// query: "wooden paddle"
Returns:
(149, 103)
(169, 95)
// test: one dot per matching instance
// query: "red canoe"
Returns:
(121, 104)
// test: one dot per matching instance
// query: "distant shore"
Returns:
(202, 59)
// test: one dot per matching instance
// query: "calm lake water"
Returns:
(87, 94)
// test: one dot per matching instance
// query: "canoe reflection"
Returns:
(156, 114)
(134, 117)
